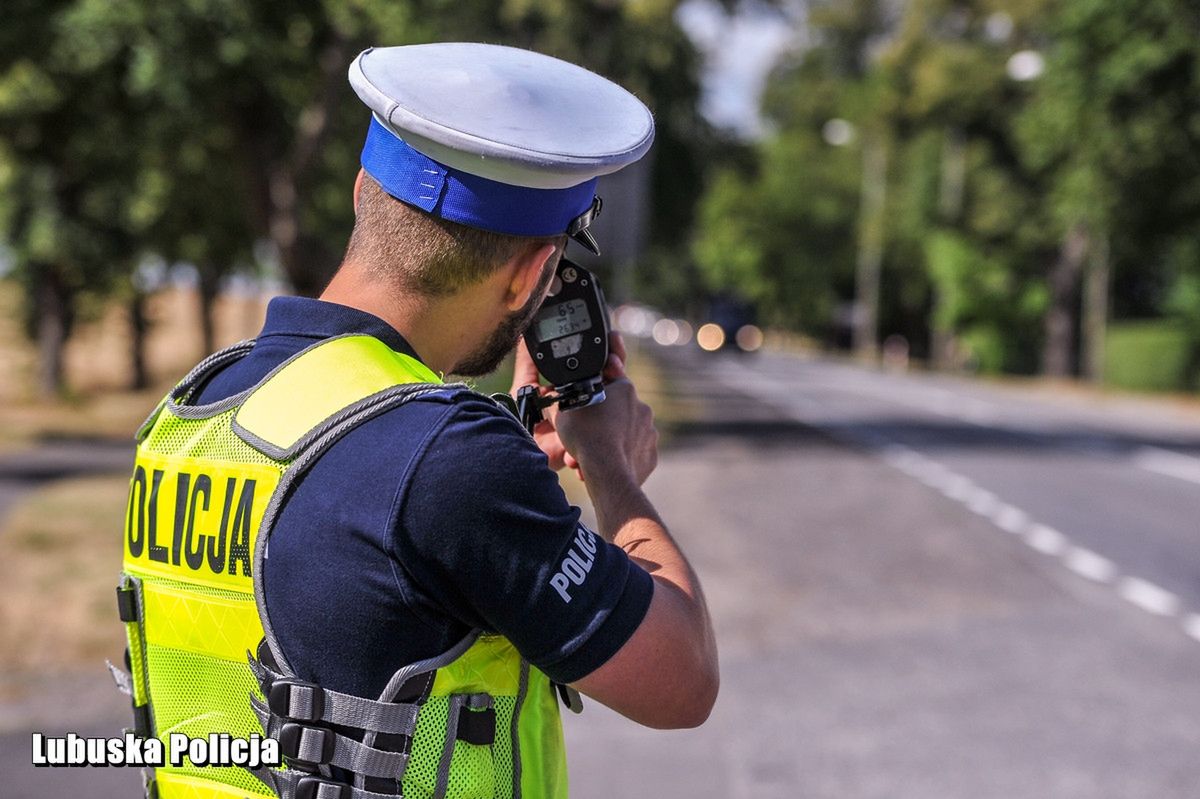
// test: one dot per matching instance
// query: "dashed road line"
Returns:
(1087, 563)
(1041, 537)
(1148, 596)
(1191, 625)
(960, 489)
(1010, 519)
(1141, 593)
(1046, 539)
(982, 502)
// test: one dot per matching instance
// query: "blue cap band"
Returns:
(457, 196)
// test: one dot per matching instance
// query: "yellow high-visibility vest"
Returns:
(209, 482)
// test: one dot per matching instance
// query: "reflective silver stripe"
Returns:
(443, 776)
(522, 690)
(129, 581)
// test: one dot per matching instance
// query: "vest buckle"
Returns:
(318, 788)
(296, 699)
(306, 746)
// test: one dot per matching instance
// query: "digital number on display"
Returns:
(563, 319)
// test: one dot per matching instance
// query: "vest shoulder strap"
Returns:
(320, 383)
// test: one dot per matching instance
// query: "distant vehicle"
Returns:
(731, 326)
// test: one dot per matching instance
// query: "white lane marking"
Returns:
(1010, 519)
(1046, 539)
(933, 475)
(1087, 563)
(1148, 596)
(982, 502)
(1172, 464)
(1191, 625)
(942, 481)
(958, 488)
(1138, 592)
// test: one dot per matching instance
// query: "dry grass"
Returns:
(60, 555)
(98, 404)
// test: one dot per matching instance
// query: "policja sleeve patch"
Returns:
(576, 564)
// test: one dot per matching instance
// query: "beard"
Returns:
(492, 352)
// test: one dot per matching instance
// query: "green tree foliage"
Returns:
(68, 137)
(197, 131)
(780, 230)
(1008, 202)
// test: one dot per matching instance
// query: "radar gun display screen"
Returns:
(569, 336)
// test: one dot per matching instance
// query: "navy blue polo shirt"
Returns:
(430, 520)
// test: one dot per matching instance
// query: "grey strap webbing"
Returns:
(304, 701)
(292, 784)
(320, 745)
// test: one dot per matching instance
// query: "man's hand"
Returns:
(615, 439)
(546, 431)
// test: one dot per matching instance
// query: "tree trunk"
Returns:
(139, 326)
(53, 299)
(305, 266)
(1059, 348)
(1095, 311)
(870, 248)
(207, 287)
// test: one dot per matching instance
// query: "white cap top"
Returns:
(502, 113)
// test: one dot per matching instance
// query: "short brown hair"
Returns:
(422, 253)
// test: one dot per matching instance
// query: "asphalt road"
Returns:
(922, 587)
(1117, 480)
(85, 703)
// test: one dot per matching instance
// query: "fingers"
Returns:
(524, 371)
(614, 368)
(616, 345)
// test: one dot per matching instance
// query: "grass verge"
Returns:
(60, 555)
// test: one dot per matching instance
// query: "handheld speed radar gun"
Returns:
(568, 341)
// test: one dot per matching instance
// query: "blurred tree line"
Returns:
(1000, 182)
(222, 133)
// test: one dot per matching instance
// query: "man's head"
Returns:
(423, 258)
(479, 162)
(423, 255)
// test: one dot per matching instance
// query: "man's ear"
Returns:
(525, 274)
(358, 182)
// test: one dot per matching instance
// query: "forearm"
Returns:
(627, 518)
(666, 675)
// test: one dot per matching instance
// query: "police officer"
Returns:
(424, 588)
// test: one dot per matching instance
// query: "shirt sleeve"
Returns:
(484, 529)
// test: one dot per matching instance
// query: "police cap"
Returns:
(496, 138)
